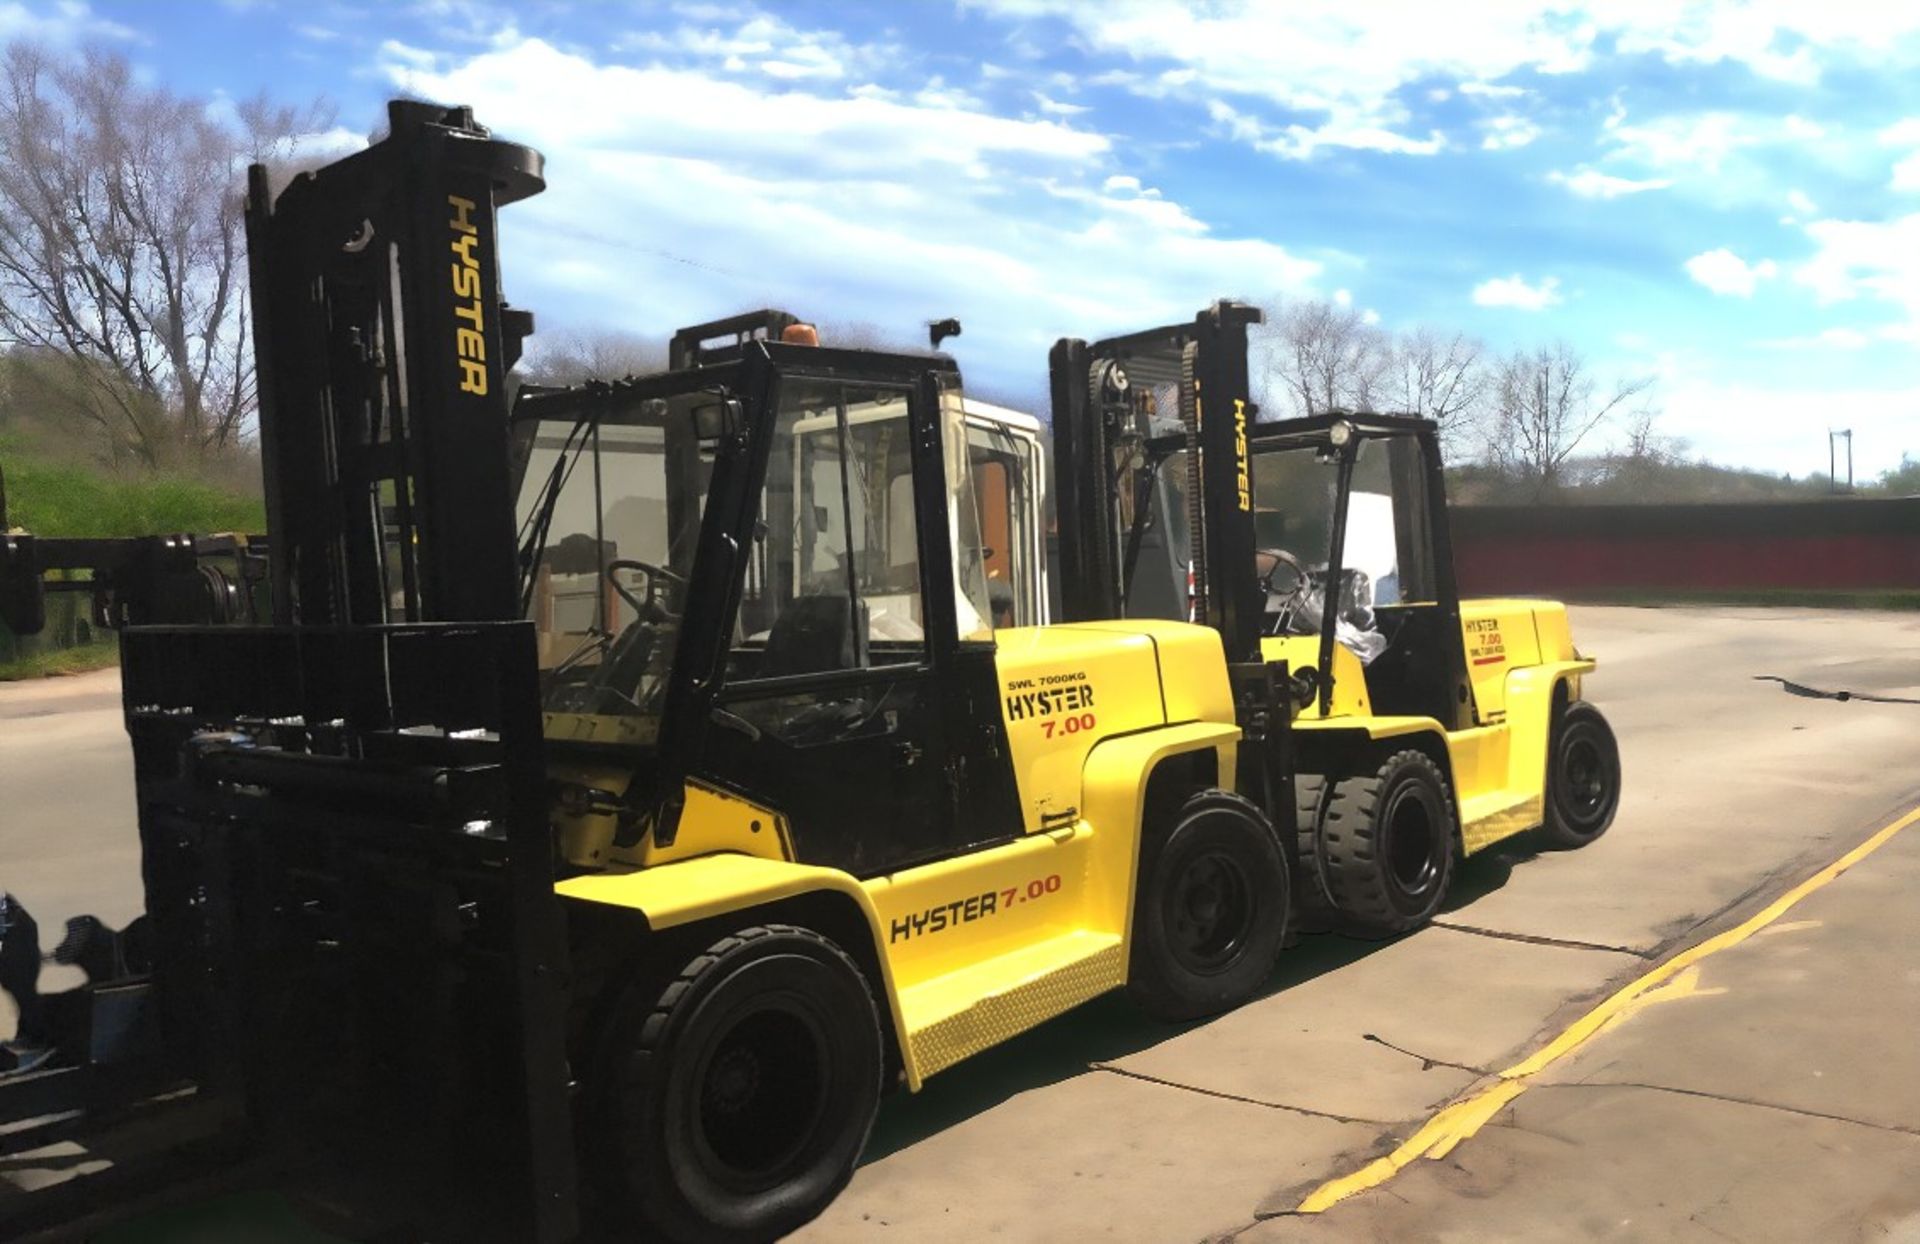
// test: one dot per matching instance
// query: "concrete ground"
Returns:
(1773, 1093)
(1102, 1125)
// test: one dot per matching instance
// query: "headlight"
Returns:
(1340, 433)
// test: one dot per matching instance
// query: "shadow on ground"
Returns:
(1108, 1028)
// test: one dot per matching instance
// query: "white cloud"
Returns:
(1906, 170)
(1299, 142)
(1877, 261)
(1491, 90)
(1725, 273)
(1705, 33)
(1778, 428)
(62, 23)
(313, 148)
(1902, 133)
(1504, 133)
(1826, 339)
(1351, 67)
(1799, 201)
(1690, 142)
(672, 199)
(1514, 292)
(749, 40)
(1592, 184)
(1054, 107)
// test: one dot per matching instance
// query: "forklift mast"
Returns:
(1108, 400)
(382, 348)
(355, 963)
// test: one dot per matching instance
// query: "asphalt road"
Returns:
(1102, 1125)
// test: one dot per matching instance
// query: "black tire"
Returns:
(1386, 846)
(733, 1104)
(1211, 912)
(1312, 904)
(1583, 777)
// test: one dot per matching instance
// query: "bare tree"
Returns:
(1438, 377)
(1328, 357)
(1546, 402)
(122, 257)
(572, 357)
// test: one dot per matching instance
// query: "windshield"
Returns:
(1385, 557)
(609, 514)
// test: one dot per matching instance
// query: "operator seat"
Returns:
(814, 634)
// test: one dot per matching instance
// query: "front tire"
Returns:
(1385, 846)
(1583, 777)
(734, 1103)
(1211, 912)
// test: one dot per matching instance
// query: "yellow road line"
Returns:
(1463, 1118)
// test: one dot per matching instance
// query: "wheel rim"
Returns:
(1410, 854)
(1209, 910)
(1584, 778)
(761, 1092)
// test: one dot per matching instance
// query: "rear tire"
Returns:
(1583, 777)
(1312, 904)
(1385, 846)
(1211, 912)
(733, 1104)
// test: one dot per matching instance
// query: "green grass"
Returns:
(98, 655)
(58, 500)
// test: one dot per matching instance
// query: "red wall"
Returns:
(1840, 544)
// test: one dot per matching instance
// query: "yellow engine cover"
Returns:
(1065, 687)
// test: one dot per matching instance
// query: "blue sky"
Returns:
(1725, 196)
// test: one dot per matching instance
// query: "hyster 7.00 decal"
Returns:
(1049, 695)
(944, 916)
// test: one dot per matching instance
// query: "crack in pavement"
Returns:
(1426, 1063)
(1539, 939)
(1248, 1101)
(1896, 1128)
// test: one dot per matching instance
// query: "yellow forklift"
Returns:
(634, 781)
(1425, 727)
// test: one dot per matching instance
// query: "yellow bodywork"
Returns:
(976, 948)
(984, 945)
(1517, 652)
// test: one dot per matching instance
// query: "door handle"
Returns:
(906, 754)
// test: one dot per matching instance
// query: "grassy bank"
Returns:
(54, 499)
(51, 497)
(52, 662)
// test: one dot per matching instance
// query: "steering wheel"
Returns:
(1274, 559)
(656, 575)
(1279, 558)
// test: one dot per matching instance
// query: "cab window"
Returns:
(833, 576)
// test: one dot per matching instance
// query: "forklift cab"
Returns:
(1361, 486)
(764, 570)
(1352, 550)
